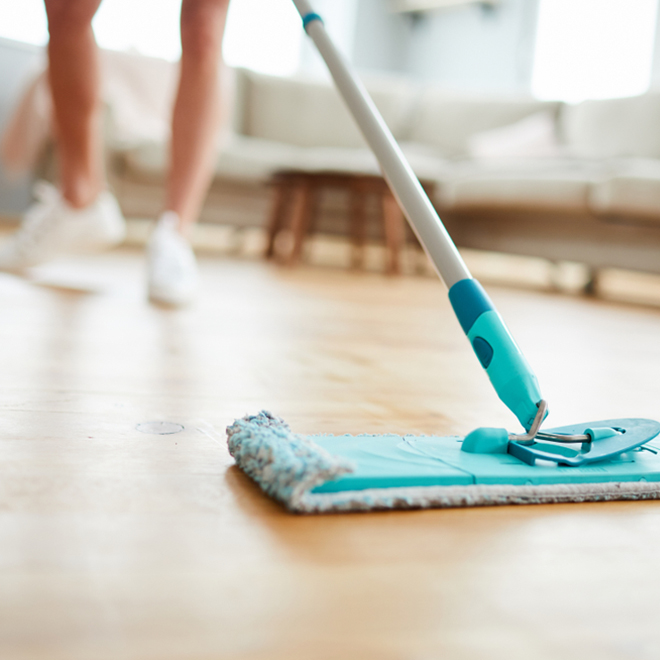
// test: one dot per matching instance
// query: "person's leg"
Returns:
(75, 86)
(81, 216)
(197, 109)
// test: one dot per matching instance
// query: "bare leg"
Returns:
(197, 110)
(75, 85)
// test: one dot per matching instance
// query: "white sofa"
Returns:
(285, 123)
(512, 174)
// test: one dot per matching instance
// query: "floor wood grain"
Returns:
(120, 544)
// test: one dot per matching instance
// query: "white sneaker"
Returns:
(172, 277)
(52, 227)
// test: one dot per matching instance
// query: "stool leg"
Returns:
(281, 198)
(358, 225)
(304, 198)
(394, 232)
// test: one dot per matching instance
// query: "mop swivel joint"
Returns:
(546, 448)
(496, 441)
(506, 366)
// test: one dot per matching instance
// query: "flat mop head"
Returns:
(325, 473)
(614, 459)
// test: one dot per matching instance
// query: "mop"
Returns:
(612, 459)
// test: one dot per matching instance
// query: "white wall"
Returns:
(469, 47)
(382, 39)
(477, 48)
(17, 64)
(655, 70)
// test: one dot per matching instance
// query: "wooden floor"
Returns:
(116, 544)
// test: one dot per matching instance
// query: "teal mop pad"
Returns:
(325, 473)
(605, 460)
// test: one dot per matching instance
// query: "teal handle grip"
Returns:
(506, 366)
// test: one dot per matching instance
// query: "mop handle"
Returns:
(497, 351)
(401, 179)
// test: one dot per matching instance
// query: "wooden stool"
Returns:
(295, 200)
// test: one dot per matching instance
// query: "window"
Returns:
(593, 48)
(264, 35)
(24, 21)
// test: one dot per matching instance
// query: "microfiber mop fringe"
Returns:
(288, 466)
(284, 464)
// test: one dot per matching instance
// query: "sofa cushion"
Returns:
(310, 113)
(253, 159)
(631, 189)
(424, 161)
(554, 184)
(532, 137)
(614, 127)
(138, 92)
(447, 120)
(241, 158)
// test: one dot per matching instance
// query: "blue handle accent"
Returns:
(506, 366)
(508, 370)
(308, 18)
(469, 301)
(483, 350)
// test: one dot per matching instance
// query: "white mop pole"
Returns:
(399, 175)
(509, 372)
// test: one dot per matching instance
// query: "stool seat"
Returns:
(294, 208)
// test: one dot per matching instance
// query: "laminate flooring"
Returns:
(115, 543)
